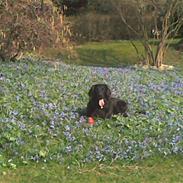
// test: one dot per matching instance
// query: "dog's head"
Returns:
(100, 93)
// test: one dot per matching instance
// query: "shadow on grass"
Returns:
(99, 57)
(113, 54)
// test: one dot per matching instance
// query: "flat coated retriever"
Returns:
(102, 105)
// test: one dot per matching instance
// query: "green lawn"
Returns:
(112, 53)
(154, 170)
(107, 54)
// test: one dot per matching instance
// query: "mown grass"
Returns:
(153, 170)
(113, 54)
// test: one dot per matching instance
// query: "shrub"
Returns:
(29, 25)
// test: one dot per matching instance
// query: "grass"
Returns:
(106, 54)
(154, 170)
(43, 139)
(112, 54)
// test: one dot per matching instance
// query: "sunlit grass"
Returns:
(113, 54)
(153, 170)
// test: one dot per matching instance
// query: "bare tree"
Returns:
(161, 18)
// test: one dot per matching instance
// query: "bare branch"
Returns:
(124, 20)
(164, 20)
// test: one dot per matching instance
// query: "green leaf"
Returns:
(42, 153)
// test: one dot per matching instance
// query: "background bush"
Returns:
(100, 21)
(30, 25)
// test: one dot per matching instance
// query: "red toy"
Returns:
(91, 121)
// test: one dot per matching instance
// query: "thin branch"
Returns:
(118, 8)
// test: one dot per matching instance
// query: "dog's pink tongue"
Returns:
(101, 103)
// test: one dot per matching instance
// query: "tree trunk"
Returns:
(160, 55)
(42, 5)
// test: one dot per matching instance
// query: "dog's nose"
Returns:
(100, 97)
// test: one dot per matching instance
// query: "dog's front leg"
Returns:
(109, 113)
(108, 116)
(90, 111)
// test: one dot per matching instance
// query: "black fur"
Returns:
(112, 105)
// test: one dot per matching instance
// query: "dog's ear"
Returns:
(108, 92)
(90, 93)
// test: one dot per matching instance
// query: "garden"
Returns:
(42, 121)
(52, 52)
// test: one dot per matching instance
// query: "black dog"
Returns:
(102, 105)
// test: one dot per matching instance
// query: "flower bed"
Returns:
(40, 114)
